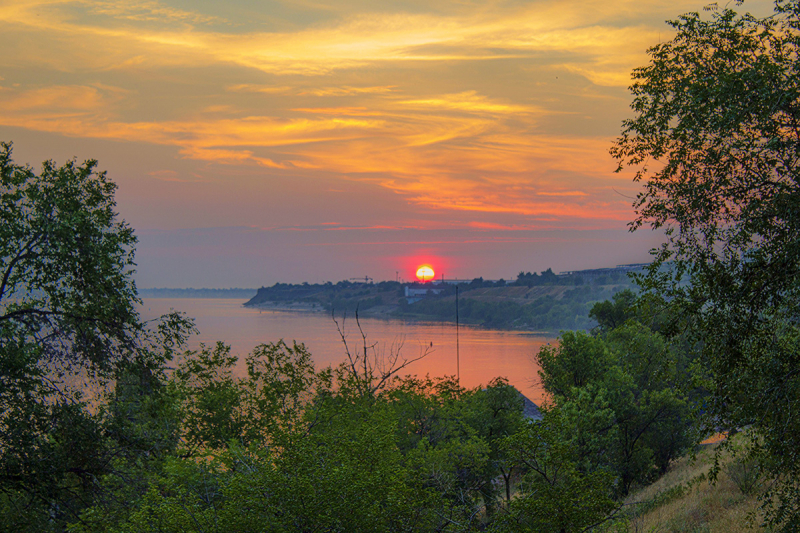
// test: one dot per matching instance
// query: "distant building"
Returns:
(594, 273)
(417, 294)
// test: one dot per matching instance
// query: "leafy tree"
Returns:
(649, 402)
(277, 449)
(347, 477)
(265, 405)
(715, 140)
(555, 494)
(574, 362)
(452, 439)
(214, 412)
(622, 393)
(66, 290)
(68, 326)
(495, 413)
(610, 314)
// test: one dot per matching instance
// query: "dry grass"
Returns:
(684, 500)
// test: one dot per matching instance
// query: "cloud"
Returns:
(145, 11)
(394, 96)
(461, 152)
(348, 41)
(562, 193)
(340, 111)
(472, 102)
(255, 88)
(61, 99)
(348, 91)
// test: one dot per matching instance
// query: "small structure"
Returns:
(415, 295)
(530, 410)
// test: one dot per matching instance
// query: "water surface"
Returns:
(483, 354)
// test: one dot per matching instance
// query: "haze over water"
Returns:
(484, 354)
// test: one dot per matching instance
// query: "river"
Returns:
(483, 354)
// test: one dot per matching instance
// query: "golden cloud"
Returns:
(327, 96)
(343, 43)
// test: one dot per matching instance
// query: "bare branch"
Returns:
(375, 370)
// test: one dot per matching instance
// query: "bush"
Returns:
(745, 473)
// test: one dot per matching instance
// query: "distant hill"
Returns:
(197, 293)
(544, 302)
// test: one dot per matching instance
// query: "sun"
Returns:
(425, 273)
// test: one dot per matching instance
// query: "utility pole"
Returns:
(458, 355)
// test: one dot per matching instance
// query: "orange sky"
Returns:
(258, 141)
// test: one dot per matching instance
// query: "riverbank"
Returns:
(537, 309)
(395, 313)
(299, 307)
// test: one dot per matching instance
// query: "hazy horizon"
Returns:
(359, 279)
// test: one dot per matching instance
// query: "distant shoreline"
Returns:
(385, 312)
(288, 306)
(232, 293)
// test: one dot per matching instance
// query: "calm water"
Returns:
(484, 354)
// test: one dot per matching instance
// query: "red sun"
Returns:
(425, 273)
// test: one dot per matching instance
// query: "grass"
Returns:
(684, 500)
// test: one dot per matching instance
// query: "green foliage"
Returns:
(555, 495)
(68, 328)
(716, 112)
(308, 454)
(341, 297)
(453, 440)
(214, 411)
(577, 360)
(545, 313)
(745, 473)
(609, 315)
(622, 393)
(220, 409)
(65, 287)
(345, 478)
(548, 277)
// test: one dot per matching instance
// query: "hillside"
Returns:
(684, 499)
(544, 303)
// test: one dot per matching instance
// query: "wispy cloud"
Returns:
(345, 42)
(348, 91)
(394, 95)
(472, 102)
(145, 11)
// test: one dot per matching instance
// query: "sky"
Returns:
(256, 142)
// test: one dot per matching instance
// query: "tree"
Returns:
(495, 413)
(67, 322)
(610, 315)
(66, 289)
(369, 369)
(577, 360)
(621, 393)
(555, 495)
(716, 141)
